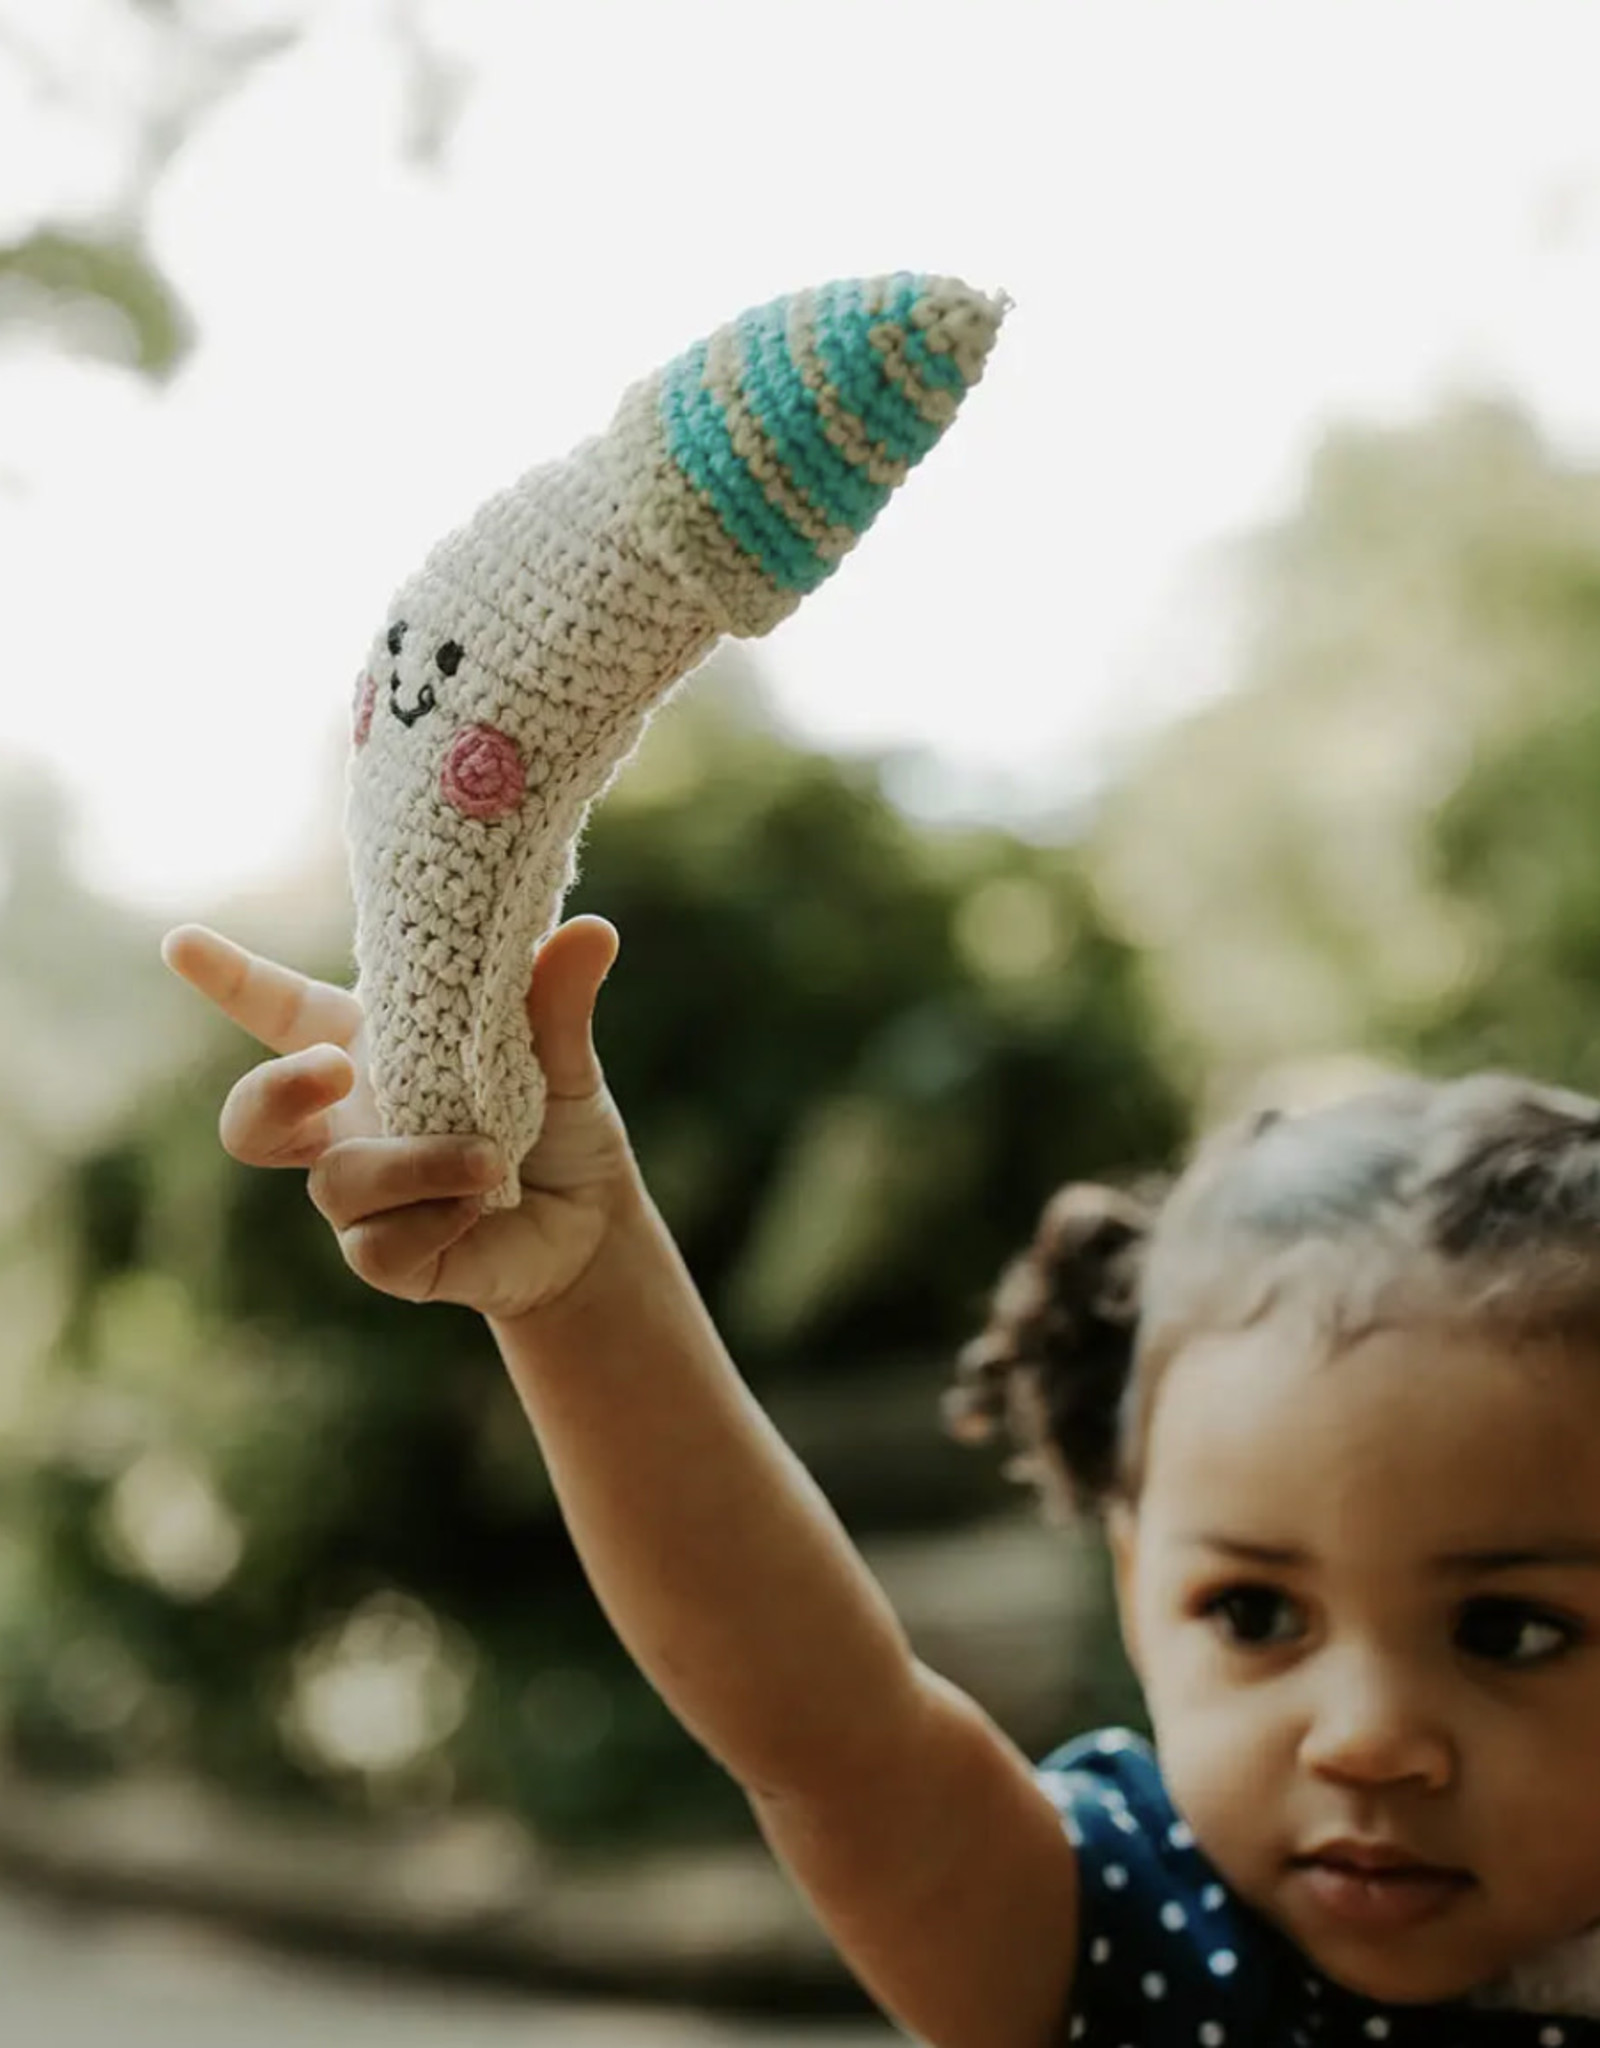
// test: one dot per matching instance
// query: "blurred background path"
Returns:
(126, 1982)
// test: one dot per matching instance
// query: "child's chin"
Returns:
(1400, 1979)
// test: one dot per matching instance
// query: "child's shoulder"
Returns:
(1113, 1760)
(1162, 1941)
(1108, 1788)
(1113, 1801)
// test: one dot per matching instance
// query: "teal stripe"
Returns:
(700, 443)
(857, 372)
(941, 372)
(788, 414)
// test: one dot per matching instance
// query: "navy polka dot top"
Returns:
(1169, 1957)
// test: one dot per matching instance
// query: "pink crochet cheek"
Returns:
(483, 775)
(366, 697)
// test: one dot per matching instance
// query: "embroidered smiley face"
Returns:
(446, 659)
(482, 774)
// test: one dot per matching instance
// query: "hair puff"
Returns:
(1050, 1366)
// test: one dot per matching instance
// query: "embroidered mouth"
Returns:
(408, 714)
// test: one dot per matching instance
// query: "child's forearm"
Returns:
(714, 1553)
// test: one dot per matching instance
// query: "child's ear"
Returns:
(1122, 1539)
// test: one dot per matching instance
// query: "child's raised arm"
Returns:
(912, 1824)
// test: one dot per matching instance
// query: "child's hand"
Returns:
(408, 1211)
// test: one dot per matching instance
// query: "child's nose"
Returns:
(1371, 1723)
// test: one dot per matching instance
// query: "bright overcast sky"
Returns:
(1223, 225)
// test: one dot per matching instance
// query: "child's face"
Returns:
(1363, 1594)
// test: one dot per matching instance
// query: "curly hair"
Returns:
(1471, 1200)
(1052, 1362)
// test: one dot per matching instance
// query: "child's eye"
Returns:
(1254, 1616)
(1503, 1631)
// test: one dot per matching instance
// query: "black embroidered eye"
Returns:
(397, 632)
(448, 656)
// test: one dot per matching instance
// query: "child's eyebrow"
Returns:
(1564, 1551)
(1250, 1553)
(1573, 1552)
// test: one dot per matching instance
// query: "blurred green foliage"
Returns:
(276, 1528)
(1380, 838)
(97, 292)
(134, 80)
(1515, 850)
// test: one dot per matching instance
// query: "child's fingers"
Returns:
(279, 1113)
(287, 1011)
(401, 1252)
(362, 1181)
(572, 964)
(399, 1204)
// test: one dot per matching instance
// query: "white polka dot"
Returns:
(1173, 1915)
(1552, 2037)
(1124, 1820)
(1376, 2029)
(1211, 2035)
(1113, 1740)
(1211, 1898)
(1181, 1835)
(1116, 1877)
(1073, 1832)
(1099, 1949)
(1153, 1984)
(1313, 1987)
(1222, 1962)
(1079, 2027)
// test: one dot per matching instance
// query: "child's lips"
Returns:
(1376, 1887)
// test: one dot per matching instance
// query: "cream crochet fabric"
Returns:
(517, 669)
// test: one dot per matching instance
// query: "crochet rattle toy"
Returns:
(516, 670)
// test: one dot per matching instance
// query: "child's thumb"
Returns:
(567, 974)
